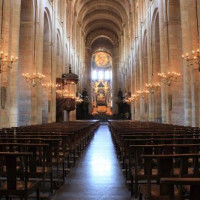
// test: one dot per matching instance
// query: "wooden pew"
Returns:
(12, 186)
(65, 141)
(165, 170)
(136, 166)
(194, 184)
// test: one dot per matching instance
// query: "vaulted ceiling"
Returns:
(102, 21)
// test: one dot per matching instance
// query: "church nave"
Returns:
(97, 175)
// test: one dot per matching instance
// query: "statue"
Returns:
(84, 93)
(120, 94)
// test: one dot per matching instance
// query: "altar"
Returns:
(101, 83)
(101, 102)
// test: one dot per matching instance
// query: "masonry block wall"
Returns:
(149, 37)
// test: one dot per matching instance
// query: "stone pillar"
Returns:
(174, 50)
(36, 97)
(26, 65)
(115, 79)
(15, 19)
(186, 47)
(150, 67)
(195, 77)
(132, 85)
(54, 75)
(88, 76)
(151, 107)
(4, 76)
(164, 57)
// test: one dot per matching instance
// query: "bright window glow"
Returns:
(100, 75)
(107, 75)
(94, 75)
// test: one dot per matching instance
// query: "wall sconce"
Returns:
(152, 87)
(49, 86)
(192, 58)
(34, 79)
(142, 93)
(5, 61)
(169, 77)
(132, 98)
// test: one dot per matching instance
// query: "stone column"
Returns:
(53, 94)
(132, 85)
(186, 47)
(5, 74)
(36, 99)
(14, 50)
(88, 76)
(115, 79)
(195, 11)
(164, 58)
(174, 50)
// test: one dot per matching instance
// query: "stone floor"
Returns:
(97, 175)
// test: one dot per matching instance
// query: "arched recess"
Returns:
(47, 63)
(107, 4)
(137, 84)
(145, 72)
(145, 59)
(59, 66)
(137, 70)
(156, 65)
(26, 59)
(92, 36)
(156, 43)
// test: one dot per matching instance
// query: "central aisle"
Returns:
(97, 175)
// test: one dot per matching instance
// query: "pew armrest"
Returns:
(181, 181)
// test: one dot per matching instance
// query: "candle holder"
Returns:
(50, 86)
(192, 58)
(169, 77)
(34, 79)
(6, 61)
(142, 93)
(152, 87)
(132, 98)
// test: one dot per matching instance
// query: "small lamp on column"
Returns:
(6, 61)
(152, 87)
(169, 77)
(131, 98)
(142, 93)
(192, 58)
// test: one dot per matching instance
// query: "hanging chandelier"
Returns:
(34, 79)
(132, 98)
(192, 58)
(142, 93)
(152, 87)
(5, 61)
(49, 86)
(169, 78)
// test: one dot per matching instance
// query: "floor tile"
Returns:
(97, 175)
